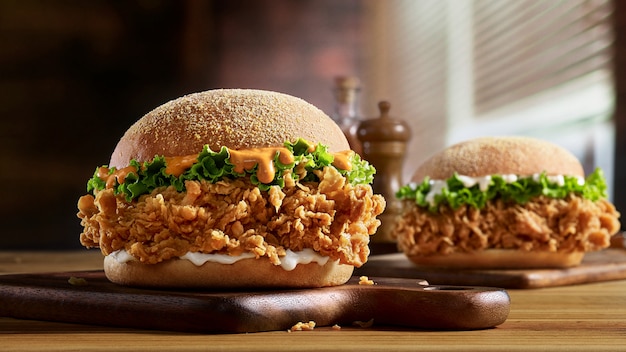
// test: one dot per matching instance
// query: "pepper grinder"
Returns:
(383, 141)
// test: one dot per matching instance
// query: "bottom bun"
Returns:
(245, 273)
(501, 259)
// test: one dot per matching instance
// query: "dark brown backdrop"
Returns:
(75, 74)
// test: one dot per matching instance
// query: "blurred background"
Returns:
(74, 75)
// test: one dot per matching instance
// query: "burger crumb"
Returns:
(364, 324)
(77, 281)
(300, 326)
(364, 280)
(336, 327)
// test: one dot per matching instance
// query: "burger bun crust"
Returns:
(500, 259)
(243, 274)
(233, 118)
(484, 156)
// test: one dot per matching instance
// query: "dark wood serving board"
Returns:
(400, 302)
(606, 265)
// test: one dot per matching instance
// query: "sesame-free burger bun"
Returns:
(500, 155)
(234, 118)
(500, 259)
(245, 273)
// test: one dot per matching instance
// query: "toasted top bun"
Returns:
(234, 118)
(500, 155)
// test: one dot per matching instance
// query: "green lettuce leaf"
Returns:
(215, 166)
(362, 172)
(455, 194)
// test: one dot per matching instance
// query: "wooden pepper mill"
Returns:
(384, 142)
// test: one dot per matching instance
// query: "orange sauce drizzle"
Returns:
(118, 175)
(176, 165)
(244, 159)
(342, 160)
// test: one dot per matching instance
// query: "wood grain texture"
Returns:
(606, 265)
(586, 317)
(395, 302)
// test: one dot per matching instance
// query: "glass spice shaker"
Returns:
(384, 141)
(346, 113)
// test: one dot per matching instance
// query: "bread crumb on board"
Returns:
(300, 326)
(77, 281)
(364, 280)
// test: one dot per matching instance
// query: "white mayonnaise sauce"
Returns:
(558, 179)
(305, 256)
(436, 186)
(122, 256)
(200, 258)
(468, 182)
(509, 178)
(288, 262)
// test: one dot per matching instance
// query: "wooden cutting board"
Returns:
(606, 265)
(400, 302)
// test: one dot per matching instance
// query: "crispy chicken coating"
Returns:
(332, 217)
(543, 224)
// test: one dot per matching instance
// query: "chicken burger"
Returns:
(504, 202)
(232, 188)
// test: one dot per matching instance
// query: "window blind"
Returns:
(456, 69)
(525, 47)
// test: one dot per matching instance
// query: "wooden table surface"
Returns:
(589, 317)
